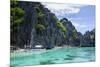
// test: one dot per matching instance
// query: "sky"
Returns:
(82, 16)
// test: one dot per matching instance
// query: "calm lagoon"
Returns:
(53, 56)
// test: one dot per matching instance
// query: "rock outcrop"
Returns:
(89, 39)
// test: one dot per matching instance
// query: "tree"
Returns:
(62, 27)
(16, 19)
(16, 15)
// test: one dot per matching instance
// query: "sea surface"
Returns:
(53, 56)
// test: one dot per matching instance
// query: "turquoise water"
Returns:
(53, 56)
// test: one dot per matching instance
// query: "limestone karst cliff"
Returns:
(42, 27)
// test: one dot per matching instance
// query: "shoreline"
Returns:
(36, 49)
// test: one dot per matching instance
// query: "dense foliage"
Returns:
(16, 15)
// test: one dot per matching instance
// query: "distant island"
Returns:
(34, 26)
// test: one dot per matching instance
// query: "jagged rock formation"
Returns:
(28, 33)
(75, 38)
(41, 27)
(72, 35)
(89, 39)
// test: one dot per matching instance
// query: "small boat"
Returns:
(38, 46)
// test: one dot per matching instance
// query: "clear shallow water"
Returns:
(53, 56)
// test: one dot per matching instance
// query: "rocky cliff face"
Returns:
(89, 39)
(41, 27)
(73, 37)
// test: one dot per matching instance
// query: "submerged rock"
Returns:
(47, 62)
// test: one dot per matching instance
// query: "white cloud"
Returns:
(79, 25)
(62, 9)
(76, 19)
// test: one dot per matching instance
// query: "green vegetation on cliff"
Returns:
(40, 27)
(17, 15)
(61, 26)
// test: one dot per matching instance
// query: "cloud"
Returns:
(60, 10)
(79, 22)
(74, 13)
(76, 18)
(79, 25)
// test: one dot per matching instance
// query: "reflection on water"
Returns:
(54, 56)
